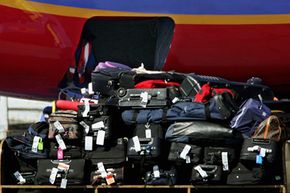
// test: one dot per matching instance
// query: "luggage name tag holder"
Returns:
(137, 145)
(60, 142)
(102, 169)
(225, 161)
(185, 151)
(89, 143)
(156, 172)
(40, 145)
(86, 126)
(201, 171)
(35, 143)
(58, 127)
(19, 177)
(53, 175)
(148, 133)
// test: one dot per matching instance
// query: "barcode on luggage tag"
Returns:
(101, 137)
(185, 151)
(58, 126)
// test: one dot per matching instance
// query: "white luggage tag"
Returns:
(89, 143)
(52, 176)
(156, 172)
(185, 151)
(175, 100)
(98, 125)
(101, 137)
(90, 88)
(148, 131)
(201, 171)
(60, 142)
(188, 161)
(102, 169)
(34, 147)
(19, 177)
(110, 179)
(87, 127)
(83, 91)
(59, 127)
(137, 144)
(225, 161)
(63, 183)
(144, 99)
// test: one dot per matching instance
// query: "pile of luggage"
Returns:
(134, 126)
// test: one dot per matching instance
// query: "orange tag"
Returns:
(110, 180)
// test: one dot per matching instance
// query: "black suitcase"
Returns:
(144, 98)
(194, 153)
(223, 156)
(74, 175)
(73, 150)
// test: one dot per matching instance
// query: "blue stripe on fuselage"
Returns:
(223, 7)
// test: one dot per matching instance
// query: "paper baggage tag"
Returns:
(58, 126)
(201, 171)
(148, 133)
(185, 151)
(83, 91)
(259, 159)
(90, 88)
(63, 183)
(101, 137)
(225, 161)
(19, 177)
(110, 179)
(102, 169)
(175, 100)
(60, 142)
(52, 176)
(63, 166)
(263, 152)
(59, 154)
(144, 99)
(156, 172)
(87, 109)
(89, 143)
(87, 127)
(40, 145)
(98, 125)
(34, 147)
(136, 142)
(188, 161)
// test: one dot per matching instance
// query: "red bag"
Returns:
(206, 92)
(155, 84)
